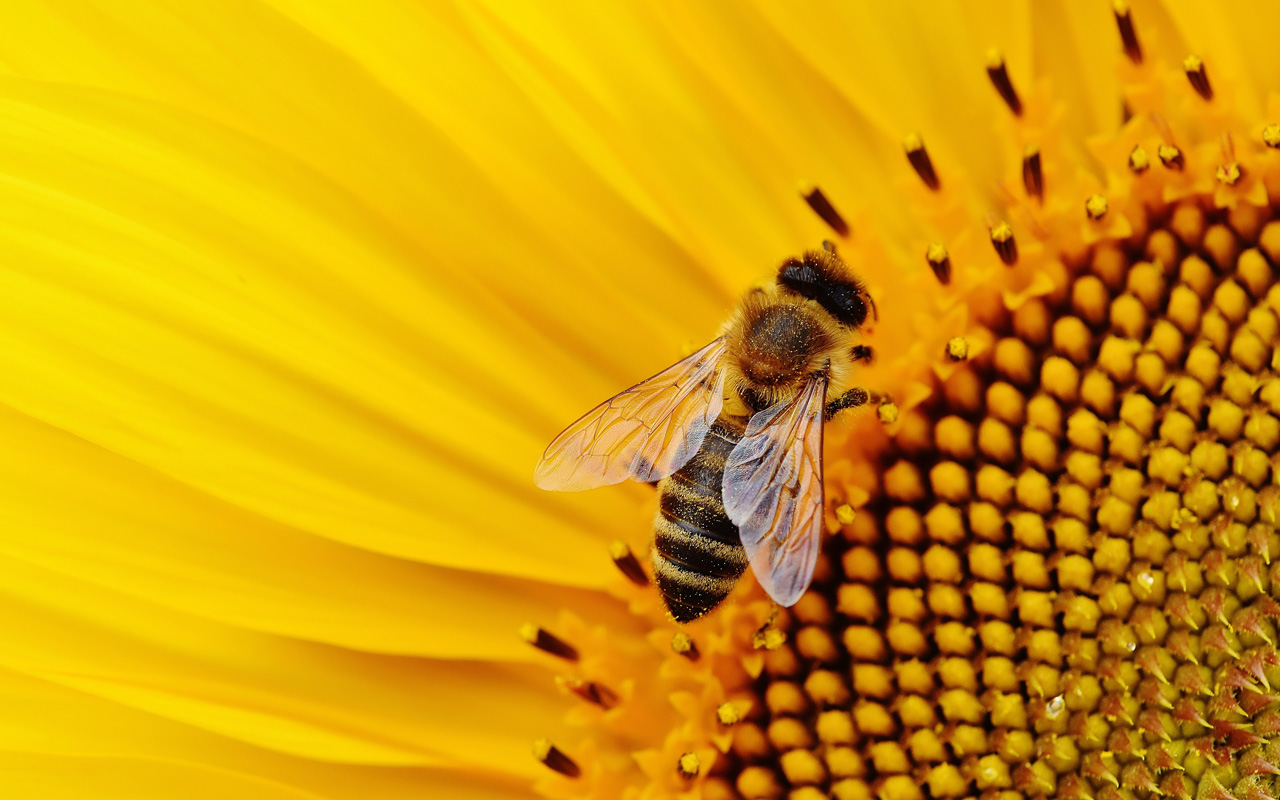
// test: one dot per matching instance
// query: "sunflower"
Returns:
(295, 293)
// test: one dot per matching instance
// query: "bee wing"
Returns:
(645, 433)
(773, 492)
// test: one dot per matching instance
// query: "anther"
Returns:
(1139, 159)
(1032, 177)
(940, 262)
(999, 75)
(1271, 136)
(548, 642)
(682, 644)
(549, 754)
(1128, 36)
(1228, 174)
(729, 714)
(823, 208)
(1004, 243)
(920, 161)
(1096, 206)
(627, 563)
(846, 514)
(590, 691)
(957, 348)
(688, 766)
(1194, 68)
(768, 638)
(1170, 156)
(887, 412)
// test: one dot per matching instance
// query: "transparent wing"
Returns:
(645, 433)
(773, 492)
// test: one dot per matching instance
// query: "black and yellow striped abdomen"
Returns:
(697, 556)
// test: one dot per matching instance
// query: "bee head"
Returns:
(821, 276)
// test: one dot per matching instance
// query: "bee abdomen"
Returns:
(697, 557)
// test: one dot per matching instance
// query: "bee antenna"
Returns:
(875, 315)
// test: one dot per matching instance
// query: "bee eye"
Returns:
(841, 298)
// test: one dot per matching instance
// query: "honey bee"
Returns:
(732, 435)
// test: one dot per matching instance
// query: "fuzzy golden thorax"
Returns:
(778, 342)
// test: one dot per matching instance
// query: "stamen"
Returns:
(999, 75)
(627, 563)
(846, 514)
(1194, 68)
(592, 692)
(1139, 159)
(887, 412)
(683, 644)
(729, 714)
(1128, 36)
(688, 766)
(957, 348)
(1228, 174)
(1170, 156)
(1271, 136)
(1004, 243)
(1095, 207)
(549, 754)
(770, 638)
(940, 262)
(548, 642)
(1032, 177)
(823, 208)
(920, 161)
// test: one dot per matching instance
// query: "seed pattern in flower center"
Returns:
(1064, 587)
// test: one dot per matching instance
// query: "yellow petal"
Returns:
(161, 540)
(50, 777)
(221, 351)
(295, 697)
(59, 723)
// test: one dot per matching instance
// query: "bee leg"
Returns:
(862, 352)
(851, 399)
